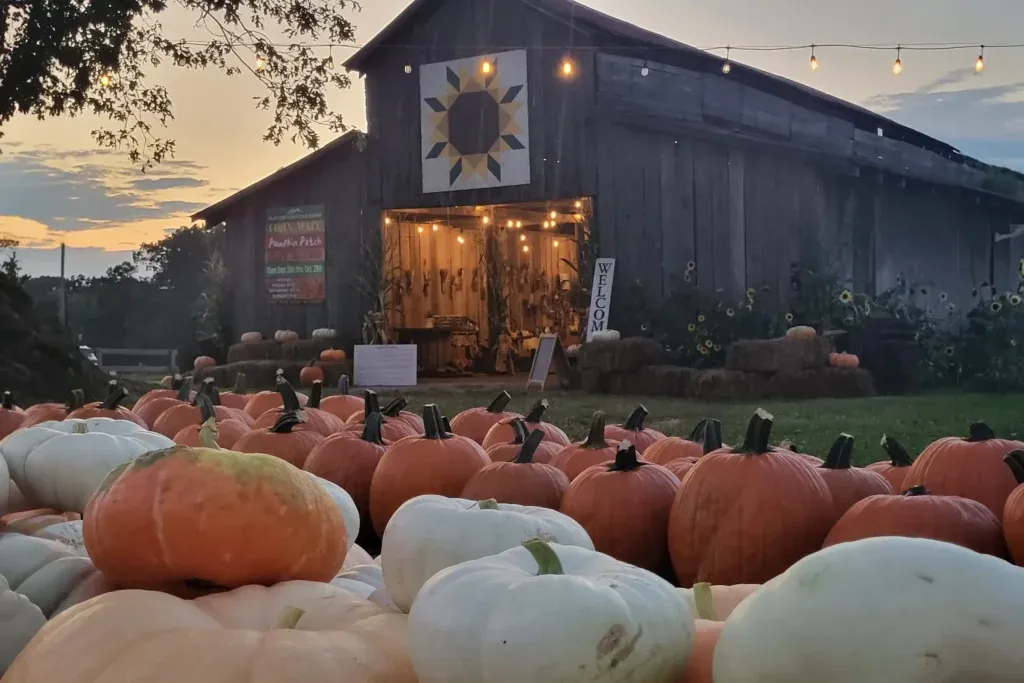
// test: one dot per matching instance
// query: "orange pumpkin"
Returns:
(437, 462)
(502, 431)
(349, 461)
(918, 514)
(681, 466)
(342, 404)
(523, 480)
(593, 450)
(311, 373)
(707, 629)
(213, 516)
(224, 412)
(31, 522)
(332, 355)
(318, 420)
(57, 412)
(11, 416)
(746, 514)
(110, 407)
(711, 435)
(393, 412)
(268, 400)
(506, 452)
(664, 451)
(392, 429)
(168, 392)
(634, 528)
(228, 432)
(846, 483)
(843, 360)
(150, 411)
(971, 467)
(895, 470)
(203, 362)
(236, 398)
(1013, 510)
(474, 423)
(788, 445)
(289, 438)
(633, 431)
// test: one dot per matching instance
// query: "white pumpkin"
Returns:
(68, 534)
(347, 506)
(428, 533)
(5, 488)
(605, 335)
(934, 612)
(286, 336)
(324, 333)
(60, 464)
(355, 557)
(548, 613)
(366, 581)
(19, 621)
(251, 337)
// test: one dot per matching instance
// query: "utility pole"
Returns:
(63, 290)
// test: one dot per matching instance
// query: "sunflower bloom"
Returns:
(708, 343)
(701, 318)
(788, 317)
(995, 306)
(729, 312)
(1015, 300)
(846, 296)
(691, 328)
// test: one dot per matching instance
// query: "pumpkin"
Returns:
(548, 613)
(927, 634)
(635, 528)
(60, 464)
(392, 428)
(707, 629)
(505, 452)
(605, 335)
(327, 422)
(21, 620)
(1013, 510)
(846, 483)
(502, 431)
(345, 505)
(671, 448)
(633, 430)
(523, 480)
(332, 355)
(203, 363)
(712, 441)
(324, 333)
(474, 423)
(268, 400)
(342, 404)
(310, 374)
(11, 416)
(224, 412)
(150, 411)
(895, 470)
(289, 439)
(430, 533)
(681, 467)
(31, 522)
(224, 432)
(918, 514)
(971, 467)
(793, 449)
(110, 407)
(168, 392)
(724, 599)
(251, 337)
(367, 582)
(349, 461)
(393, 412)
(236, 398)
(53, 412)
(140, 531)
(745, 514)
(437, 462)
(593, 450)
(843, 360)
(319, 421)
(293, 631)
(801, 332)
(286, 336)
(167, 382)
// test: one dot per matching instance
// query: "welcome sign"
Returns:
(294, 255)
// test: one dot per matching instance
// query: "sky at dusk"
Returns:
(55, 185)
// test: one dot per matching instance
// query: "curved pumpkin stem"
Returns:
(703, 601)
(208, 434)
(519, 430)
(176, 382)
(206, 411)
(898, 455)
(635, 421)
(433, 423)
(7, 402)
(625, 459)
(697, 433)
(286, 422)
(213, 392)
(184, 389)
(759, 432)
(537, 411)
(595, 437)
(371, 429)
(529, 447)
(980, 431)
(240, 384)
(395, 407)
(77, 399)
(489, 504)
(371, 402)
(289, 618)
(288, 395)
(712, 437)
(315, 393)
(447, 424)
(917, 491)
(1015, 461)
(499, 403)
(788, 445)
(547, 560)
(840, 456)
(116, 395)
(343, 387)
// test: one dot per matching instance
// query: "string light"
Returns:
(509, 224)
(519, 224)
(485, 220)
(522, 238)
(526, 248)
(105, 80)
(644, 70)
(419, 229)
(814, 60)
(260, 62)
(727, 65)
(577, 204)
(979, 64)
(546, 224)
(897, 66)
(459, 239)
(555, 243)
(568, 68)
(435, 227)
(408, 68)
(387, 220)
(553, 215)
(486, 67)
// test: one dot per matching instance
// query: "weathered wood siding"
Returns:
(561, 162)
(341, 183)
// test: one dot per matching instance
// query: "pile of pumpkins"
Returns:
(223, 536)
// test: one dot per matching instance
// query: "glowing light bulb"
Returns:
(105, 80)
(509, 224)
(485, 220)
(435, 227)
(525, 248)
(486, 67)
(459, 239)
(546, 224)
(897, 66)
(577, 204)
(408, 68)
(567, 67)
(727, 67)
(555, 243)
(519, 224)
(814, 62)
(979, 65)
(387, 220)
(522, 238)
(419, 229)
(553, 215)
(260, 62)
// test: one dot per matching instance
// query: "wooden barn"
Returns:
(510, 142)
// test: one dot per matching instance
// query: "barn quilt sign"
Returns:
(474, 123)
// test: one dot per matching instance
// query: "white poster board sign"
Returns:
(600, 296)
(384, 365)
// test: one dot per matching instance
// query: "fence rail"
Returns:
(104, 356)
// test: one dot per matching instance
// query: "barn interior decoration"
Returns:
(475, 123)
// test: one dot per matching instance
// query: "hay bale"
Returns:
(262, 350)
(334, 371)
(304, 349)
(727, 385)
(591, 381)
(768, 356)
(625, 384)
(624, 355)
(666, 380)
(822, 383)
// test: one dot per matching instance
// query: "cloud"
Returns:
(167, 183)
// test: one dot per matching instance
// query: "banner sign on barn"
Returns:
(294, 258)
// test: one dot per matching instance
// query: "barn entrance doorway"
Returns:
(474, 286)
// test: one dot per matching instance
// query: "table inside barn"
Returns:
(438, 349)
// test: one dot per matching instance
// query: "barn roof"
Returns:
(615, 35)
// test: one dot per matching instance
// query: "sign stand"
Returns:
(549, 351)
(600, 296)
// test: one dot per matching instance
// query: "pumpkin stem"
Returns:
(625, 459)
(499, 403)
(80, 428)
(371, 429)
(447, 424)
(206, 411)
(537, 411)
(1015, 461)
(395, 407)
(315, 392)
(288, 396)
(980, 431)
(176, 382)
(595, 437)
(759, 432)
(77, 399)
(697, 433)
(547, 560)
(529, 447)
(7, 402)
(635, 421)
(489, 504)
(898, 455)
(184, 389)
(712, 438)
(703, 601)
(788, 445)
(213, 392)
(114, 398)
(208, 434)
(289, 618)
(343, 384)
(240, 383)
(433, 423)
(917, 491)
(519, 430)
(840, 456)
(371, 402)
(286, 422)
